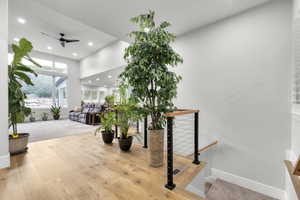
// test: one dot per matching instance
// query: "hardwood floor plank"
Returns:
(83, 168)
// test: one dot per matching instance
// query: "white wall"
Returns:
(237, 72)
(4, 155)
(105, 59)
(294, 149)
(73, 82)
(295, 137)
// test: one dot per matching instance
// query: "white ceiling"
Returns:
(113, 16)
(102, 21)
(42, 19)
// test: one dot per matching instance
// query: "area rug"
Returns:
(44, 130)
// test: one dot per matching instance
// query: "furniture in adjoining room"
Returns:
(87, 114)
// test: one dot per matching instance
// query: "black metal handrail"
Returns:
(170, 171)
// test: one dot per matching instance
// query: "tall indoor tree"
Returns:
(149, 59)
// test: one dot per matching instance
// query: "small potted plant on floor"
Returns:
(32, 117)
(45, 116)
(18, 77)
(149, 59)
(55, 110)
(127, 111)
(108, 119)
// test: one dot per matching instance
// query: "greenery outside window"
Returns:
(50, 87)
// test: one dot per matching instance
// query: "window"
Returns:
(50, 86)
(90, 94)
(39, 95)
(47, 90)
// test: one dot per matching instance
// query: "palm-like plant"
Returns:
(55, 110)
(108, 119)
(128, 111)
(18, 76)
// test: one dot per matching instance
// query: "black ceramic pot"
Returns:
(108, 137)
(125, 144)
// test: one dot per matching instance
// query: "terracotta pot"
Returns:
(156, 148)
(125, 144)
(18, 145)
(108, 137)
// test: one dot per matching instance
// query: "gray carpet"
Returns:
(222, 190)
(44, 130)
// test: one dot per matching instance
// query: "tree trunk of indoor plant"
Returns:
(156, 147)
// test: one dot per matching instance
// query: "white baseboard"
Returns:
(250, 184)
(4, 161)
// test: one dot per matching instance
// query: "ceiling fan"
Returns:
(61, 39)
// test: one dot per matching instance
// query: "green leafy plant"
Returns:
(55, 110)
(110, 100)
(127, 111)
(18, 76)
(108, 119)
(149, 58)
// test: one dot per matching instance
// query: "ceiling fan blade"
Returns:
(68, 41)
(49, 35)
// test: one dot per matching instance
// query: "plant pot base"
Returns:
(125, 144)
(18, 145)
(19, 152)
(108, 137)
(156, 148)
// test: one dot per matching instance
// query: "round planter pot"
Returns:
(18, 145)
(108, 137)
(56, 117)
(125, 144)
(32, 119)
(156, 148)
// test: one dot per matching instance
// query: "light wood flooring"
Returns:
(83, 168)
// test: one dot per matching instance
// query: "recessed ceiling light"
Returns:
(21, 20)
(109, 76)
(49, 48)
(90, 44)
(75, 54)
(16, 39)
(97, 79)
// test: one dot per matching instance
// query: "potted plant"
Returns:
(107, 122)
(108, 119)
(45, 116)
(55, 110)
(127, 111)
(18, 77)
(149, 59)
(32, 117)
